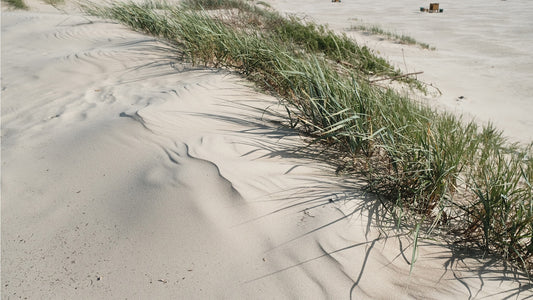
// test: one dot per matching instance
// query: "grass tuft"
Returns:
(400, 38)
(54, 2)
(433, 169)
(19, 4)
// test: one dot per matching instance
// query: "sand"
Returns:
(129, 174)
(482, 64)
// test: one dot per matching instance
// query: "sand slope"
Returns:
(127, 174)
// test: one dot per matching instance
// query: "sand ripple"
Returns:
(128, 174)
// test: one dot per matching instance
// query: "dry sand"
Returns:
(483, 51)
(128, 174)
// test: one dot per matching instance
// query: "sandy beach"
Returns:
(127, 173)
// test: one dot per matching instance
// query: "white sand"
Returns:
(483, 51)
(127, 174)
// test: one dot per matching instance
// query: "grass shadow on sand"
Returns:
(380, 228)
(432, 166)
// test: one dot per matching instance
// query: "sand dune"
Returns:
(129, 174)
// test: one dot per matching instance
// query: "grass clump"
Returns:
(19, 4)
(435, 169)
(400, 38)
(54, 2)
(296, 34)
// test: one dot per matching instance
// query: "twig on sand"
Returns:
(396, 77)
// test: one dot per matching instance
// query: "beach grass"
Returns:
(19, 4)
(400, 38)
(434, 169)
(54, 2)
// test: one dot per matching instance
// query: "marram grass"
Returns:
(19, 4)
(436, 170)
(400, 38)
